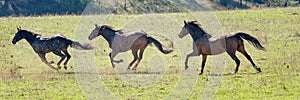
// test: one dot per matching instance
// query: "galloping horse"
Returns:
(205, 44)
(56, 44)
(122, 42)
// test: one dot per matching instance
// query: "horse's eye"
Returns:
(102, 28)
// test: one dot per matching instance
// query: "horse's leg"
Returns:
(68, 58)
(194, 53)
(243, 51)
(203, 63)
(134, 53)
(43, 58)
(112, 55)
(237, 61)
(139, 59)
(62, 57)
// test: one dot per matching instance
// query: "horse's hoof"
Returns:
(119, 61)
(51, 62)
(58, 67)
(259, 70)
(200, 73)
(65, 67)
(233, 72)
(186, 67)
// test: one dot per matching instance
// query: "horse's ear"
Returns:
(19, 28)
(96, 25)
(184, 22)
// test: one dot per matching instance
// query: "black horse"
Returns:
(56, 44)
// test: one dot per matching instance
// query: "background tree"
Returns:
(62, 7)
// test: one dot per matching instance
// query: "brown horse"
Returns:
(56, 44)
(205, 44)
(122, 42)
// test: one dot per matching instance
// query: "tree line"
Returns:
(244, 4)
(63, 7)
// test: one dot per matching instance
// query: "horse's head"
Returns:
(101, 30)
(192, 28)
(184, 31)
(18, 36)
(95, 32)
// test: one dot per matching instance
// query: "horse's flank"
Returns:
(123, 42)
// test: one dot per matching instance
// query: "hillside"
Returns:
(70, 7)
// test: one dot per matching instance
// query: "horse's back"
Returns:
(131, 36)
(55, 42)
(123, 42)
(134, 33)
(211, 45)
(57, 36)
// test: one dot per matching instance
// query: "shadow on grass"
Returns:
(128, 72)
(231, 74)
(123, 73)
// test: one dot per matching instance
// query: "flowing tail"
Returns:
(159, 45)
(80, 46)
(252, 40)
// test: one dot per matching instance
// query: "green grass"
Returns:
(158, 76)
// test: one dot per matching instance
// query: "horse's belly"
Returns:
(41, 49)
(120, 46)
(124, 49)
(124, 43)
(217, 47)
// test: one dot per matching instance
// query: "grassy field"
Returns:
(158, 76)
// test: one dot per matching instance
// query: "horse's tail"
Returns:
(252, 40)
(159, 45)
(80, 46)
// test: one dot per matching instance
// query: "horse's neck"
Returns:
(30, 37)
(198, 33)
(196, 36)
(109, 36)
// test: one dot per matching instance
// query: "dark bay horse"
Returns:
(205, 44)
(55, 44)
(122, 42)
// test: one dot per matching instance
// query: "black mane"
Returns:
(196, 27)
(111, 29)
(29, 32)
(39, 36)
(195, 30)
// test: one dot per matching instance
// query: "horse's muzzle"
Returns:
(13, 42)
(90, 38)
(180, 36)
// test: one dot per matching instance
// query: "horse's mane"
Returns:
(110, 28)
(33, 33)
(196, 27)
